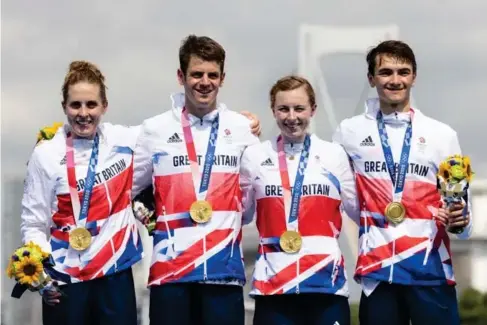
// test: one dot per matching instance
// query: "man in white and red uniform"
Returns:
(191, 155)
(404, 262)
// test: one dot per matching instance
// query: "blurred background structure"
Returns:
(135, 45)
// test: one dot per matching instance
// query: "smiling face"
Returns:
(84, 108)
(393, 79)
(293, 112)
(201, 83)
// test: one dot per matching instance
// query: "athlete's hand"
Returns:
(255, 125)
(442, 216)
(456, 218)
(453, 217)
(51, 294)
(142, 213)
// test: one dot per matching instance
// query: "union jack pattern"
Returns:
(416, 251)
(328, 186)
(183, 250)
(115, 244)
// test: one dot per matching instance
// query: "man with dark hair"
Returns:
(404, 263)
(191, 155)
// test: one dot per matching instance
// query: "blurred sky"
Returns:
(135, 43)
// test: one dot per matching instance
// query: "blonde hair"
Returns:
(80, 71)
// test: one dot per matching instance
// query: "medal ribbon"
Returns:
(397, 183)
(204, 179)
(291, 199)
(81, 211)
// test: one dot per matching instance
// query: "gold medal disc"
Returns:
(291, 241)
(201, 211)
(395, 212)
(80, 239)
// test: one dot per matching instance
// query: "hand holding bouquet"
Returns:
(454, 176)
(27, 267)
(144, 215)
(143, 206)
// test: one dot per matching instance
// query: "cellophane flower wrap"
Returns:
(26, 266)
(454, 177)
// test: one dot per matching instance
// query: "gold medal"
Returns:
(291, 241)
(201, 211)
(80, 239)
(291, 157)
(395, 212)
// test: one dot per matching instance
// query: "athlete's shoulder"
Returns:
(259, 147)
(48, 153)
(440, 128)
(120, 135)
(235, 119)
(158, 121)
(331, 148)
(351, 123)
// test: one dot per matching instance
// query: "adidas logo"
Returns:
(174, 138)
(267, 162)
(63, 161)
(367, 142)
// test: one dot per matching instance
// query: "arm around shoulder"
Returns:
(247, 175)
(348, 189)
(142, 160)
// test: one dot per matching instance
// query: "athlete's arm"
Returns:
(36, 204)
(348, 190)
(142, 161)
(255, 127)
(247, 175)
(455, 216)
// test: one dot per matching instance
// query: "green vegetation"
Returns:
(473, 307)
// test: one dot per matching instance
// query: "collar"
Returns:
(372, 107)
(63, 131)
(178, 102)
(293, 148)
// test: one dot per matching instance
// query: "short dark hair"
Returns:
(396, 49)
(202, 47)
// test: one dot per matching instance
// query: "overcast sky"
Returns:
(135, 43)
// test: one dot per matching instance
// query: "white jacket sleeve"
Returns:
(337, 135)
(348, 189)
(142, 162)
(36, 204)
(247, 175)
(454, 149)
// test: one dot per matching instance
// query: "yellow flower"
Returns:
(456, 168)
(10, 269)
(29, 270)
(467, 168)
(48, 132)
(445, 171)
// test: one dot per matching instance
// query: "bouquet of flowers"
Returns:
(48, 132)
(26, 266)
(454, 176)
